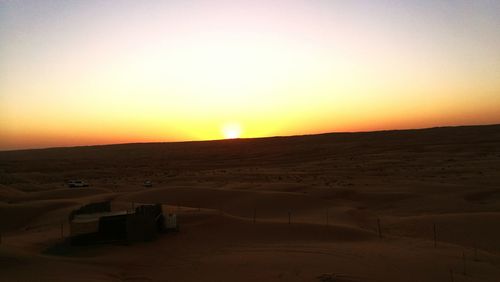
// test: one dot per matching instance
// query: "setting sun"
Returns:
(275, 133)
(164, 71)
(231, 130)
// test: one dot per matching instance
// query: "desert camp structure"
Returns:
(96, 223)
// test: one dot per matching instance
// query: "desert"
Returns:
(406, 205)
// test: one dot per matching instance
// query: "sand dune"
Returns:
(63, 194)
(317, 201)
(467, 229)
(237, 202)
(15, 216)
(8, 193)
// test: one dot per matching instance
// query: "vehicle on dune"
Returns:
(76, 183)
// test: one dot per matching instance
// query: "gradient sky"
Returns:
(96, 72)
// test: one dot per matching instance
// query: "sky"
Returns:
(103, 72)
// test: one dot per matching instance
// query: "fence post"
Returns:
(327, 217)
(463, 257)
(475, 252)
(435, 235)
(379, 229)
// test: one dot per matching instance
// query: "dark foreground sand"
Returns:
(335, 187)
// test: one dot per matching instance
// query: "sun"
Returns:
(231, 130)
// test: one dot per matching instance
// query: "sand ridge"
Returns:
(303, 208)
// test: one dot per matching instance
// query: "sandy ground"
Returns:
(317, 201)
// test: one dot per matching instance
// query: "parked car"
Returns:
(77, 183)
(148, 183)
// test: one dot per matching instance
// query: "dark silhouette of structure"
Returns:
(96, 223)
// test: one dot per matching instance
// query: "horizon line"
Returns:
(251, 138)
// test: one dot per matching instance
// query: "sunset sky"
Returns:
(100, 72)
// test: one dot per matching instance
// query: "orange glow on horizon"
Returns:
(171, 71)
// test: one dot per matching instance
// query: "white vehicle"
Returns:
(77, 183)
